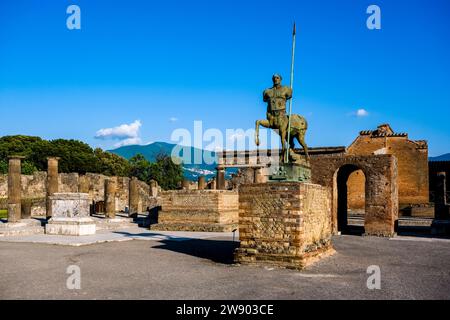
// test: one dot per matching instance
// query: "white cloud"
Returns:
(173, 119)
(127, 134)
(122, 132)
(362, 113)
(128, 142)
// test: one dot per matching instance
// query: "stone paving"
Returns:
(114, 236)
(415, 268)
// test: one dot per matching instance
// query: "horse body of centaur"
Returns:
(299, 126)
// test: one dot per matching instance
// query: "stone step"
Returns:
(21, 231)
(358, 220)
(114, 224)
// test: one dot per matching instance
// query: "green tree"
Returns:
(167, 173)
(111, 164)
(28, 168)
(76, 156)
(140, 167)
(3, 167)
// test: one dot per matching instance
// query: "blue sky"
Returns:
(169, 63)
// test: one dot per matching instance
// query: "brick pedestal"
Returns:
(198, 210)
(284, 224)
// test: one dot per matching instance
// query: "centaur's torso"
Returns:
(276, 98)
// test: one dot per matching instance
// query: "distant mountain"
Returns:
(444, 157)
(191, 171)
(150, 151)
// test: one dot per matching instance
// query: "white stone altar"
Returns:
(70, 215)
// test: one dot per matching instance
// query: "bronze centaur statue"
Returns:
(277, 119)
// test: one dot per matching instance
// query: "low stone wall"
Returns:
(198, 210)
(284, 224)
(34, 188)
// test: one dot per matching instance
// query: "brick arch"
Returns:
(381, 188)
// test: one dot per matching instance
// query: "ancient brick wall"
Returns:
(198, 210)
(34, 188)
(381, 188)
(412, 161)
(356, 186)
(285, 224)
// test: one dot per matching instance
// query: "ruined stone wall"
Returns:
(34, 188)
(243, 176)
(356, 186)
(145, 197)
(412, 159)
(381, 193)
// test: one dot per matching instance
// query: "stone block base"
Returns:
(114, 223)
(198, 210)
(70, 226)
(426, 211)
(23, 227)
(198, 227)
(286, 224)
(254, 257)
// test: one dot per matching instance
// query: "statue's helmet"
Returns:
(277, 75)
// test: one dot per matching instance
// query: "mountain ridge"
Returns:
(442, 157)
(191, 170)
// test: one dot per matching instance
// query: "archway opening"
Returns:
(351, 200)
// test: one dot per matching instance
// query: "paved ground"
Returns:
(119, 235)
(411, 268)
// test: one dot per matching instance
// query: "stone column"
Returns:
(52, 181)
(186, 184)
(110, 198)
(212, 184)
(153, 188)
(220, 181)
(134, 196)
(201, 183)
(440, 196)
(259, 177)
(14, 188)
(26, 205)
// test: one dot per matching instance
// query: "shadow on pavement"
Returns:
(219, 251)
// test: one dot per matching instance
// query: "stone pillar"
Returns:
(201, 183)
(440, 201)
(153, 188)
(186, 184)
(220, 180)
(259, 177)
(26, 205)
(213, 184)
(110, 198)
(52, 182)
(14, 188)
(134, 196)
